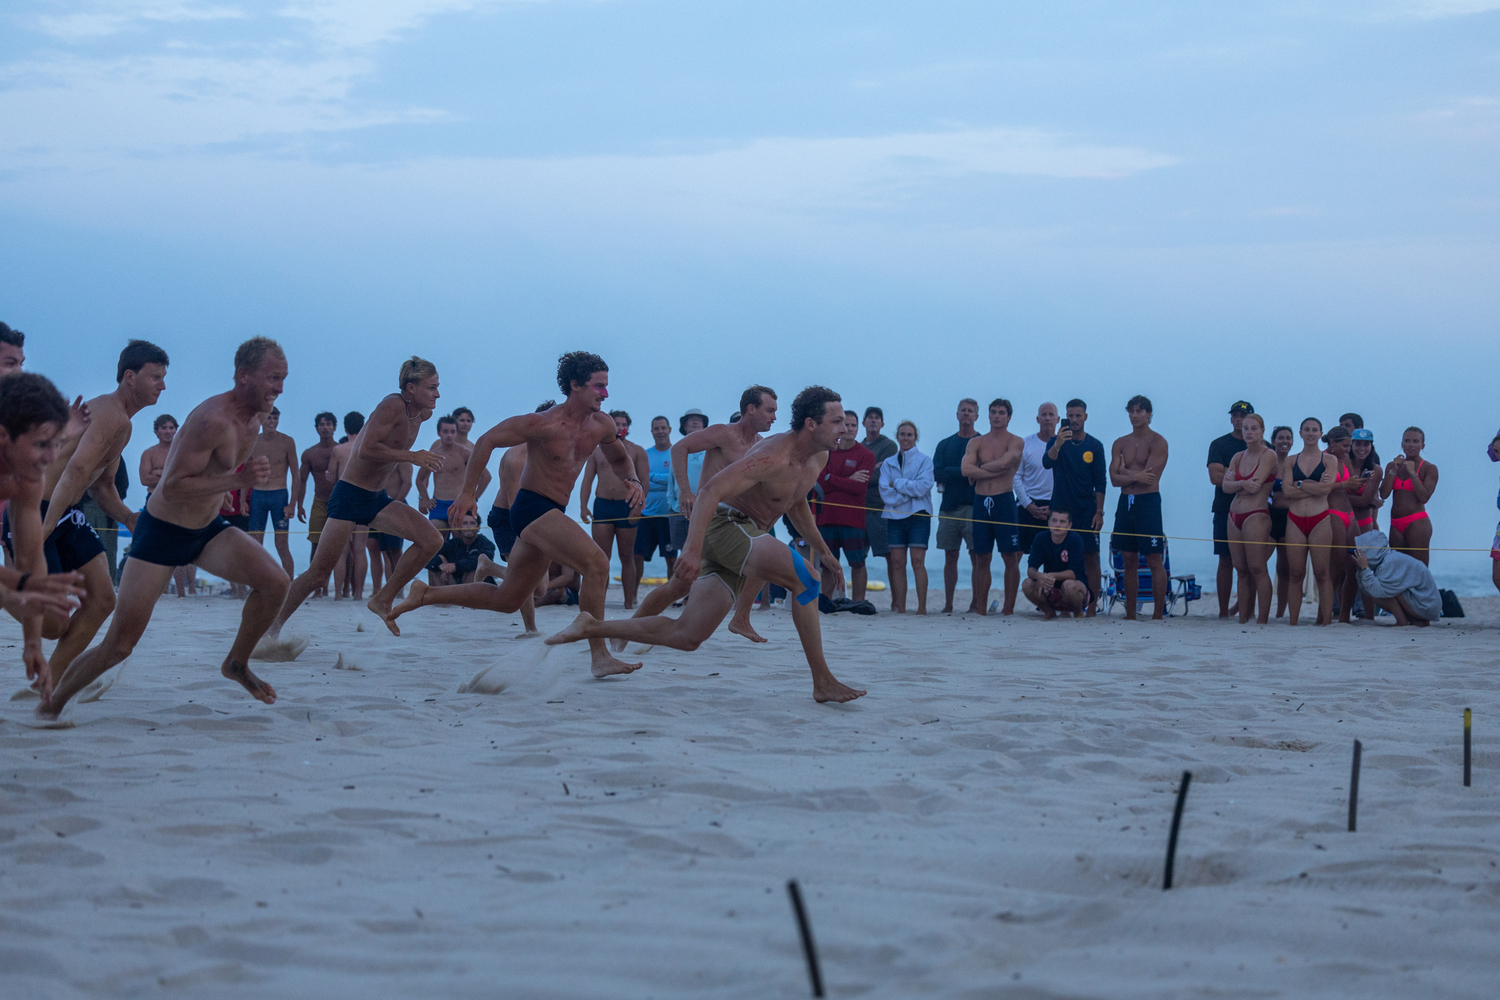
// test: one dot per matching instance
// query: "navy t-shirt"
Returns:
(947, 469)
(1051, 557)
(1077, 474)
(1221, 452)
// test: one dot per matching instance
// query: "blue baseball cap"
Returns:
(1363, 434)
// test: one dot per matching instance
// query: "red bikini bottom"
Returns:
(1307, 524)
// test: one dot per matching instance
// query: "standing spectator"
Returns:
(841, 516)
(906, 489)
(956, 511)
(106, 527)
(1033, 480)
(655, 531)
(1219, 453)
(1494, 453)
(692, 421)
(883, 448)
(991, 461)
(611, 521)
(1077, 461)
(1136, 465)
(1409, 482)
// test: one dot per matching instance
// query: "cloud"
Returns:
(352, 24)
(96, 20)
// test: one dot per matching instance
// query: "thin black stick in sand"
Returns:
(1468, 725)
(809, 949)
(1354, 787)
(1187, 777)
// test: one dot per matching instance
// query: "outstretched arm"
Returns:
(98, 451)
(506, 434)
(621, 463)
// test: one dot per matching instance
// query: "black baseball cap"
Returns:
(1242, 407)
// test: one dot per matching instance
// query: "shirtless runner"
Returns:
(273, 502)
(558, 442)
(1135, 466)
(722, 445)
(728, 543)
(349, 571)
(314, 464)
(32, 415)
(88, 463)
(383, 550)
(447, 480)
(181, 524)
(612, 521)
(359, 499)
(512, 464)
(990, 461)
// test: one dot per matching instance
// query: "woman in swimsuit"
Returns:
(1249, 479)
(1306, 480)
(1364, 496)
(1340, 514)
(1281, 440)
(1410, 480)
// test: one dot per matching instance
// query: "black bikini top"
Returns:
(1316, 475)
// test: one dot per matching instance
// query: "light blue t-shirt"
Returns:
(695, 469)
(661, 475)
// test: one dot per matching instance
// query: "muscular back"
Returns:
(108, 420)
(393, 426)
(511, 464)
(728, 446)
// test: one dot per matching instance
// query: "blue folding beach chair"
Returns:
(1180, 589)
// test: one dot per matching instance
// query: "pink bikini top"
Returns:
(1405, 484)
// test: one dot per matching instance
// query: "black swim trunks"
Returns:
(527, 507)
(167, 544)
(71, 546)
(996, 525)
(616, 512)
(348, 502)
(1138, 524)
(505, 535)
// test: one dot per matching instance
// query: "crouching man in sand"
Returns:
(181, 524)
(728, 543)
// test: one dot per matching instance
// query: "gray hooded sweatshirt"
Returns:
(1391, 573)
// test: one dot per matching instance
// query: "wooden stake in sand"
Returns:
(1468, 725)
(1354, 787)
(1187, 777)
(809, 949)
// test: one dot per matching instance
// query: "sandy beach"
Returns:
(990, 821)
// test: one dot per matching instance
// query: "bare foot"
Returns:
(488, 567)
(921, 611)
(530, 633)
(742, 626)
(576, 630)
(832, 690)
(413, 602)
(259, 689)
(383, 612)
(604, 664)
(48, 712)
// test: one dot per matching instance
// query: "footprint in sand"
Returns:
(281, 650)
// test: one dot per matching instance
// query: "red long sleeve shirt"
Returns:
(845, 499)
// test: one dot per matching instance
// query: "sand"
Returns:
(989, 822)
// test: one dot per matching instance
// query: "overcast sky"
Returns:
(1295, 203)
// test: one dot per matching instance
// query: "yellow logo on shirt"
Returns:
(1088, 456)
